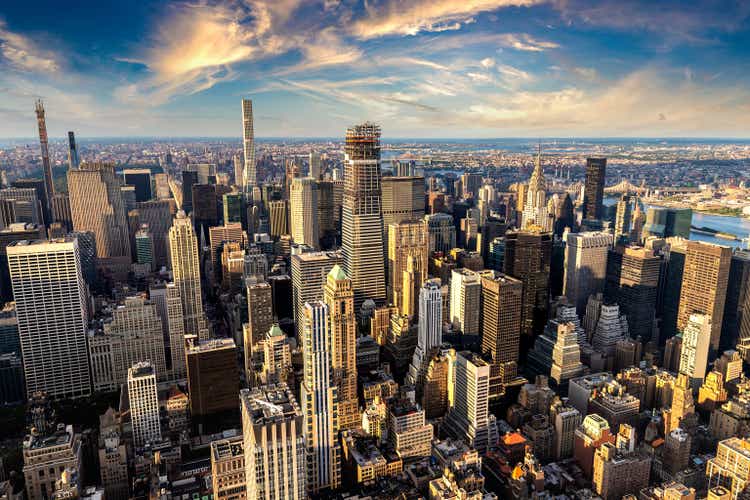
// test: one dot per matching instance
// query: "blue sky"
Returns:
(421, 68)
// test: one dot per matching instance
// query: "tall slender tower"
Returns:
(320, 400)
(362, 228)
(339, 297)
(73, 160)
(249, 175)
(183, 246)
(46, 166)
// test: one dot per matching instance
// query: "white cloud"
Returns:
(22, 54)
(404, 17)
(525, 42)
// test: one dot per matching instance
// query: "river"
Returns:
(735, 225)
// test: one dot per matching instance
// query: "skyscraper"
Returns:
(430, 328)
(466, 292)
(73, 160)
(96, 205)
(535, 211)
(704, 285)
(585, 266)
(303, 209)
(166, 297)
(309, 273)
(502, 297)
(469, 417)
(528, 256)
(403, 199)
(274, 442)
(338, 295)
(183, 247)
(696, 340)
(141, 179)
(144, 404)
(249, 174)
(362, 229)
(406, 239)
(593, 191)
(633, 282)
(51, 307)
(49, 187)
(319, 397)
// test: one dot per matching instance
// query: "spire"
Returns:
(537, 181)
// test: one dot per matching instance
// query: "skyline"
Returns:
(474, 69)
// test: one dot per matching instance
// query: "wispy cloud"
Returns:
(525, 42)
(21, 53)
(409, 17)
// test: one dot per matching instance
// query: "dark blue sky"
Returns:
(469, 68)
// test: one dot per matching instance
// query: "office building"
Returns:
(157, 215)
(278, 225)
(163, 191)
(403, 199)
(309, 273)
(113, 460)
(430, 327)
(45, 457)
(144, 404)
(205, 212)
(585, 266)
(249, 174)
(61, 211)
(566, 355)
(469, 417)
(212, 375)
(617, 472)
(674, 259)
(319, 398)
(274, 443)
(408, 431)
(593, 192)
(303, 211)
(362, 224)
(183, 247)
(406, 239)
(21, 205)
(502, 298)
(52, 318)
(131, 332)
(704, 285)
(140, 178)
(442, 232)
(9, 234)
(667, 222)
(96, 205)
(528, 256)
(566, 420)
(696, 340)
(338, 295)
(228, 469)
(465, 301)
(260, 316)
(730, 468)
(632, 281)
(593, 432)
(611, 327)
(535, 212)
(166, 298)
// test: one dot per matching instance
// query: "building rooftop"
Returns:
(270, 404)
(227, 448)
